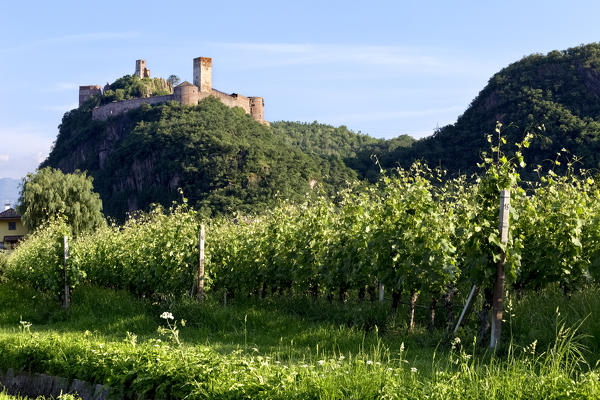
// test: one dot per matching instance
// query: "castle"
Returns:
(185, 93)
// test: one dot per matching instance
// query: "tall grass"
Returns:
(259, 350)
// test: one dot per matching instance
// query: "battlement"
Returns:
(186, 94)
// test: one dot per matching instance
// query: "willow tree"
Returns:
(50, 193)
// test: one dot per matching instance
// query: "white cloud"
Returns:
(415, 59)
(24, 147)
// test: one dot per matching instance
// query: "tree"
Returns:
(50, 193)
(173, 80)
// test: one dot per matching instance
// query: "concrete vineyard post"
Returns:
(200, 291)
(497, 304)
(67, 301)
(380, 291)
(465, 308)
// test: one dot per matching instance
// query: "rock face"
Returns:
(220, 157)
(119, 178)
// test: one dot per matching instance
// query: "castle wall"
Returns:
(85, 92)
(108, 110)
(233, 100)
(186, 94)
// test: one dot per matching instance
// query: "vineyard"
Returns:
(305, 300)
(417, 234)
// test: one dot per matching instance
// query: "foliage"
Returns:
(49, 193)
(173, 80)
(132, 86)
(154, 253)
(39, 260)
(222, 159)
(557, 91)
(415, 232)
(308, 360)
(356, 150)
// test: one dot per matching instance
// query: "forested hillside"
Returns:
(357, 150)
(220, 157)
(224, 161)
(555, 96)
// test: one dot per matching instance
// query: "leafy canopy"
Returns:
(50, 193)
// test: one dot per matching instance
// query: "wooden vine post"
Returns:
(67, 300)
(200, 291)
(497, 304)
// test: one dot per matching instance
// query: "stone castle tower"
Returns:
(185, 93)
(140, 69)
(203, 74)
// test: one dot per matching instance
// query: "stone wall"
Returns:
(184, 95)
(85, 92)
(33, 385)
(234, 100)
(120, 107)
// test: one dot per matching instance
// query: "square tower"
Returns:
(203, 74)
(140, 69)
(85, 92)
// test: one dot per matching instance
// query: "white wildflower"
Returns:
(167, 315)
(369, 362)
(321, 362)
(413, 370)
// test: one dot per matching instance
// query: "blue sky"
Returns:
(381, 67)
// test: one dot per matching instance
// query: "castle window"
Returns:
(12, 226)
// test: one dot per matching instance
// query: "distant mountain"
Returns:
(558, 92)
(9, 191)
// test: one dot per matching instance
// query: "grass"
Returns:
(299, 348)
(6, 396)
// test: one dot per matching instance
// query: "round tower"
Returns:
(257, 108)
(186, 93)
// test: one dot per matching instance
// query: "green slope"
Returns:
(559, 91)
(222, 159)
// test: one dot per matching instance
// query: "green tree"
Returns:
(50, 193)
(173, 80)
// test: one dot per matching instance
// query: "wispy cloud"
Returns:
(412, 58)
(23, 148)
(72, 39)
(398, 114)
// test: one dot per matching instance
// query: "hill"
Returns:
(558, 91)
(222, 159)
(356, 150)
